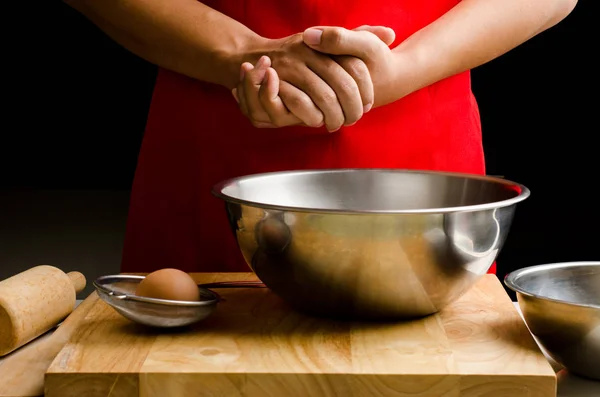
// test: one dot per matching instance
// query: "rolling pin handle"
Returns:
(78, 280)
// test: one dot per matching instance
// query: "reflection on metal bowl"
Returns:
(368, 243)
(560, 303)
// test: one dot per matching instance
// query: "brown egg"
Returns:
(172, 284)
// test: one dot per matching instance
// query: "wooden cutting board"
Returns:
(255, 346)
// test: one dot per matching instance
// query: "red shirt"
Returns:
(196, 136)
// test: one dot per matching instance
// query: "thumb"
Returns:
(256, 73)
(339, 41)
(385, 34)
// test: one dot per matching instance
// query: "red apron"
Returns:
(196, 136)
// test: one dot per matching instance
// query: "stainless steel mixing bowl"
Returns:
(560, 303)
(369, 243)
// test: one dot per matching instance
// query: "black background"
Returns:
(77, 106)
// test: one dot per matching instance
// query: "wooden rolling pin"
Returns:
(33, 302)
(22, 373)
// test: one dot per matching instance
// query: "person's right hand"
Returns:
(339, 88)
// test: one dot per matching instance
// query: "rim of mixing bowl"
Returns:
(511, 280)
(522, 192)
(101, 282)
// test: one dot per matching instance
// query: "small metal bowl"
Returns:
(119, 292)
(560, 303)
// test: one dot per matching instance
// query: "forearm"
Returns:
(181, 35)
(471, 34)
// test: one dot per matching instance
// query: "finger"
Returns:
(242, 97)
(385, 34)
(241, 93)
(243, 70)
(252, 82)
(294, 106)
(359, 71)
(238, 92)
(300, 104)
(344, 87)
(322, 95)
(339, 41)
(259, 124)
(271, 102)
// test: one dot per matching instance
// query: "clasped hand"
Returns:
(324, 76)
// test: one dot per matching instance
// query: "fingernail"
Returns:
(242, 73)
(367, 107)
(313, 36)
(260, 62)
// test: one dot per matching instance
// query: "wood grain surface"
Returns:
(255, 346)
